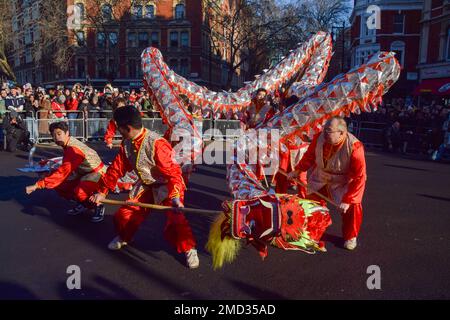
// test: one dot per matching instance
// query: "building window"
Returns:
(174, 39)
(155, 39)
(132, 40)
(28, 56)
(173, 64)
(448, 45)
(79, 11)
(132, 69)
(143, 39)
(366, 32)
(107, 12)
(35, 13)
(101, 68)
(80, 38)
(81, 69)
(113, 39)
(137, 12)
(399, 48)
(140, 72)
(112, 69)
(184, 36)
(363, 54)
(179, 11)
(184, 67)
(150, 11)
(101, 40)
(399, 23)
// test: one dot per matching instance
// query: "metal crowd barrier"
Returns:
(371, 134)
(227, 129)
(44, 118)
(93, 126)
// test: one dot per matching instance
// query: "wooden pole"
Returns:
(158, 207)
(315, 192)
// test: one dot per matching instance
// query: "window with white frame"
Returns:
(363, 54)
(399, 48)
(399, 23)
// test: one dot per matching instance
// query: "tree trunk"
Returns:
(5, 68)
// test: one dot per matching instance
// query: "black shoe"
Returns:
(99, 214)
(79, 209)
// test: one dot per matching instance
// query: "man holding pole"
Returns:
(160, 182)
(338, 171)
(77, 177)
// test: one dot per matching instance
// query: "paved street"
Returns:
(405, 232)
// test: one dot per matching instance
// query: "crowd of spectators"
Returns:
(401, 123)
(61, 102)
(404, 124)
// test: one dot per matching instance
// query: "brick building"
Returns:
(341, 59)
(398, 30)
(109, 48)
(434, 57)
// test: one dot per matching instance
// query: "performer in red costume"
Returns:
(160, 182)
(338, 170)
(112, 127)
(77, 177)
(260, 110)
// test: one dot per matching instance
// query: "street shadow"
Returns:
(204, 172)
(106, 290)
(434, 197)
(208, 189)
(13, 291)
(335, 240)
(256, 292)
(13, 187)
(404, 167)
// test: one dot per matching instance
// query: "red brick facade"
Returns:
(399, 31)
(111, 50)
